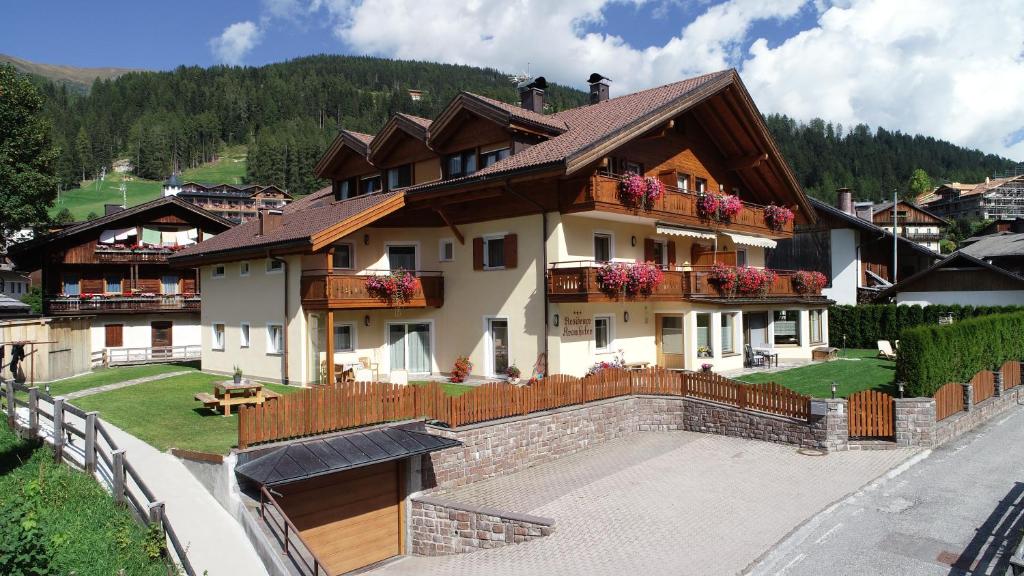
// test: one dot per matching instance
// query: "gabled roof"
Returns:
(869, 226)
(958, 257)
(358, 142)
(10, 307)
(496, 111)
(883, 206)
(996, 245)
(397, 125)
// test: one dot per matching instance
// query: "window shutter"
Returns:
(668, 178)
(648, 250)
(114, 335)
(511, 251)
(671, 254)
(478, 253)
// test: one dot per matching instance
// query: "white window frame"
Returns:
(414, 243)
(243, 268)
(737, 332)
(489, 345)
(611, 243)
(440, 249)
(712, 345)
(352, 338)
(821, 325)
(244, 335)
(433, 344)
(269, 270)
(664, 252)
(223, 338)
(351, 256)
(215, 274)
(611, 333)
(487, 238)
(272, 349)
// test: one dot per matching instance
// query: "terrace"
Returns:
(137, 303)
(334, 289)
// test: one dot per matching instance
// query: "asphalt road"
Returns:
(958, 511)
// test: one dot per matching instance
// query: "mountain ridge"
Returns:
(75, 76)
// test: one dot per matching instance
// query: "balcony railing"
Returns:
(129, 256)
(601, 193)
(577, 282)
(923, 236)
(345, 290)
(131, 304)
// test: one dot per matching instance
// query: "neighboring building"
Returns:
(14, 284)
(415, 95)
(994, 199)
(1002, 249)
(505, 215)
(115, 269)
(237, 203)
(13, 307)
(914, 223)
(854, 253)
(960, 279)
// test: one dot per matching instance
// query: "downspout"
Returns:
(543, 261)
(284, 323)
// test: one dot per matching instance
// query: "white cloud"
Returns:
(236, 42)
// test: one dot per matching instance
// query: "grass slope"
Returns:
(229, 168)
(856, 370)
(77, 522)
(103, 376)
(94, 194)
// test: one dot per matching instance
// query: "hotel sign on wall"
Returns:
(576, 325)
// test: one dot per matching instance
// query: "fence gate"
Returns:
(872, 414)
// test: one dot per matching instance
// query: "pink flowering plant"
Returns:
(809, 281)
(777, 217)
(398, 286)
(617, 361)
(742, 280)
(634, 279)
(720, 207)
(639, 191)
(612, 278)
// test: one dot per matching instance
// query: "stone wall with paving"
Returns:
(954, 426)
(438, 527)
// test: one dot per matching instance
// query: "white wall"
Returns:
(138, 333)
(973, 298)
(845, 266)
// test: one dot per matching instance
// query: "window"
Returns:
(446, 250)
(494, 252)
(400, 177)
(787, 327)
(602, 247)
(275, 339)
(630, 166)
(494, 156)
(602, 333)
(218, 337)
(343, 189)
(461, 163)
(728, 329)
(702, 185)
(661, 253)
(218, 271)
(402, 257)
(71, 287)
(274, 265)
(113, 284)
(704, 349)
(113, 335)
(343, 341)
(169, 284)
(683, 181)
(343, 256)
(243, 269)
(816, 316)
(369, 184)
(243, 335)
(741, 257)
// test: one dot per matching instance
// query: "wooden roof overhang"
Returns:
(401, 141)
(466, 105)
(346, 147)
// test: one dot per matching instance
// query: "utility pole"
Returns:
(895, 238)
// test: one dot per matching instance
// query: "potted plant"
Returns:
(237, 376)
(461, 369)
(513, 374)
(704, 352)
(398, 286)
(706, 367)
(808, 281)
(777, 217)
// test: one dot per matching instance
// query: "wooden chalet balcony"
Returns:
(577, 282)
(601, 193)
(345, 290)
(123, 304)
(129, 256)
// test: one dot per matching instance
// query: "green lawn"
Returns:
(450, 388)
(855, 370)
(65, 517)
(228, 169)
(94, 194)
(103, 376)
(165, 415)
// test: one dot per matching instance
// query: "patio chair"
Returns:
(752, 360)
(885, 350)
(371, 366)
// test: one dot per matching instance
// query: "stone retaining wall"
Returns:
(954, 426)
(915, 417)
(438, 527)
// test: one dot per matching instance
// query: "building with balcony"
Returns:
(994, 199)
(115, 270)
(503, 234)
(234, 202)
(917, 224)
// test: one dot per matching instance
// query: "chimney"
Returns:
(270, 220)
(844, 200)
(531, 94)
(109, 209)
(598, 88)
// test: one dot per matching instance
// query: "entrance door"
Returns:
(402, 257)
(668, 337)
(497, 334)
(755, 329)
(161, 334)
(409, 347)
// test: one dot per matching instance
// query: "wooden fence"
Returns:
(871, 414)
(1011, 374)
(949, 400)
(984, 385)
(99, 456)
(326, 409)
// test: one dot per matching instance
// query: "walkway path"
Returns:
(668, 503)
(124, 384)
(957, 512)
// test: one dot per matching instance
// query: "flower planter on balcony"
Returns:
(343, 290)
(138, 303)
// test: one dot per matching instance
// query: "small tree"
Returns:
(918, 184)
(92, 216)
(64, 217)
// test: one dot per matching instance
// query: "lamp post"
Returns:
(900, 384)
(833, 389)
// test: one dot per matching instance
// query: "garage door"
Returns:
(350, 519)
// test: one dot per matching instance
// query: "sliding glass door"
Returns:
(409, 347)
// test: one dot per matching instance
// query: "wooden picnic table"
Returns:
(636, 365)
(227, 394)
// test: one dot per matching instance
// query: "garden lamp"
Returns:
(833, 389)
(901, 389)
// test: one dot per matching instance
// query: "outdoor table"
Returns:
(768, 353)
(636, 365)
(228, 394)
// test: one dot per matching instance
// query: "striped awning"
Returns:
(744, 240)
(679, 231)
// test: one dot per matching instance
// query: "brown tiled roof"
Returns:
(364, 138)
(518, 112)
(425, 122)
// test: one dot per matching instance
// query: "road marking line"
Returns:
(793, 562)
(828, 534)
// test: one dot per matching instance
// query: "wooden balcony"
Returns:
(601, 193)
(156, 256)
(138, 304)
(577, 282)
(344, 290)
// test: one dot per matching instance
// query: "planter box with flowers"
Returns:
(778, 217)
(633, 279)
(397, 287)
(741, 280)
(639, 191)
(809, 281)
(718, 207)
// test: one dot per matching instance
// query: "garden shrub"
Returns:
(864, 325)
(931, 356)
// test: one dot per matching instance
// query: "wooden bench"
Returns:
(271, 395)
(825, 353)
(208, 400)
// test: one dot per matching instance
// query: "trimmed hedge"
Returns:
(864, 325)
(932, 356)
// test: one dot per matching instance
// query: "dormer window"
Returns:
(369, 184)
(494, 156)
(460, 164)
(400, 177)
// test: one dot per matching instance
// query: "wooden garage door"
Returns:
(350, 519)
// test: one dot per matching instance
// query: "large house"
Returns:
(518, 238)
(993, 199)
(237, 203)
(908, 220)
(115, 270)
(961, 279)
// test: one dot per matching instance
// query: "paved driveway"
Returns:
(659, 503)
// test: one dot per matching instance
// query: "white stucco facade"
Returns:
(844, 244)
(137, 330)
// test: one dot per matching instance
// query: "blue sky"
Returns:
(880, 62)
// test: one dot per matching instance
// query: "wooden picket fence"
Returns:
(325, 409)
(984, 384)
(1011, 374)
(949, 400)
(871, 414)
